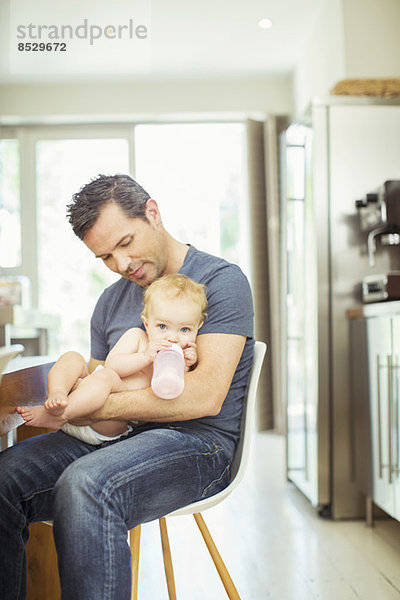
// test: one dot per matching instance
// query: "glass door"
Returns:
(300, 310)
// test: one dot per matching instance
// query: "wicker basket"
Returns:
(385, 87)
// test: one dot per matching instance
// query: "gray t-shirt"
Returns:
(230, 310)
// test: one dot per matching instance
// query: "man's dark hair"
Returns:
(88, 203)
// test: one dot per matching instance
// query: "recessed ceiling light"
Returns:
(265, 23)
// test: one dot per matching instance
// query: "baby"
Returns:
(174, 310)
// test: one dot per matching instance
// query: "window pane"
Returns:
(10, 221)
(295, 156)
(196, 174)
(70, 278)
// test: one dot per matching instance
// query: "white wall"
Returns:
(323, 58)
(372, 38)
(351, 39)
(265, 95)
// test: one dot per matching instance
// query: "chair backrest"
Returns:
(241, 457)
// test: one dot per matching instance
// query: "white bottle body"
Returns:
(168, 379)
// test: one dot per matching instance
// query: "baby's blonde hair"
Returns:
(173, 286)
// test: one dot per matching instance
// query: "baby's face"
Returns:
(174, 319)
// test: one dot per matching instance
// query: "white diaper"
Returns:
(89, 435)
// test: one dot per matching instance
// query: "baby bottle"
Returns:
(168, 373)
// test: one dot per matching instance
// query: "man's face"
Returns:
(132, 247)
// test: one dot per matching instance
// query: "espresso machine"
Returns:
(379, 214)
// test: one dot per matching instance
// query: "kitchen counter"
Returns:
(24, 383)
(27, 317)
(28, 326)
(374, 309)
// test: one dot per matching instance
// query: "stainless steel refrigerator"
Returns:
(349, 148)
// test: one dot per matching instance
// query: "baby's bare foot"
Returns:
(56, 403)
(38, 416)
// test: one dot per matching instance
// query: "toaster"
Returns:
(379, 288)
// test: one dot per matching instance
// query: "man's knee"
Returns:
(74, 483)
(82, 492)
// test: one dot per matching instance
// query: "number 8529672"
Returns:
(42, 47)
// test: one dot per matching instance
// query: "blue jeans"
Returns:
(94, 495)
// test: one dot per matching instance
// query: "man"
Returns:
(94, 494)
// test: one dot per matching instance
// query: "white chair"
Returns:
(7, 353)
(238, 470)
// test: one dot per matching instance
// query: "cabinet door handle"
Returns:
(378, 379)
(390, 403)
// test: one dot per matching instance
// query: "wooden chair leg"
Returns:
(215, 555)
(169, 572)
(135, 550)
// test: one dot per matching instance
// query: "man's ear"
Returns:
(152, 212)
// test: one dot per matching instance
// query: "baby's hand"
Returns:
(154, 348)
(190, 354)
(56, 400)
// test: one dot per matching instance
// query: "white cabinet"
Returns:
(383, 341)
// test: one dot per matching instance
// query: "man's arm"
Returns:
(205, 388)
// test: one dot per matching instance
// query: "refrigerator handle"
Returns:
(390, 410)
(397, 424)
(396, 410)
(378, 396)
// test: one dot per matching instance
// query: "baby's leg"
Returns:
(138, 381)
(62, 378)
(89, 396)
(91, 393)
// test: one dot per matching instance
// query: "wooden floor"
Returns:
(275, 545)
